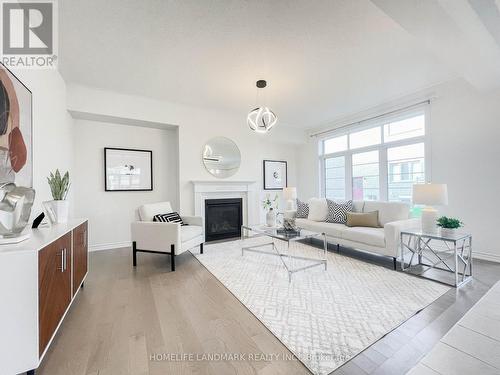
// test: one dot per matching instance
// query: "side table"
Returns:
(454, 255)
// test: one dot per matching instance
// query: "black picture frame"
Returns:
(107, 149)
(267, 183)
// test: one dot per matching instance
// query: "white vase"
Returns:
(57, 211)
(448, 232)
(271, 218)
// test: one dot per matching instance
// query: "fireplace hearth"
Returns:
(223, 218)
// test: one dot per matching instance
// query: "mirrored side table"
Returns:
(443, 258)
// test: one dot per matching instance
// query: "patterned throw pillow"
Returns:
(337, 211)
(172, 217)
(302, 209)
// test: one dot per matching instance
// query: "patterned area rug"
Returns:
(323, 317)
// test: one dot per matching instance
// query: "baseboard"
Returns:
(109, 246)
(486, 256)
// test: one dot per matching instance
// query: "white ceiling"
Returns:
(322, 59)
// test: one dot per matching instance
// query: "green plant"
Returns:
(59, 186)
(268, 204)
(449, 223)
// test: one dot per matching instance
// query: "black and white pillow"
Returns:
(337, 211)
(172, 217)
(302, 209)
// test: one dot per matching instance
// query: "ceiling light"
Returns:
(261, 119)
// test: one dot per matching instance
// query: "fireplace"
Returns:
(223, 218)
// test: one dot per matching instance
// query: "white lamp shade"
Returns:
(430, 194)
(289, 193)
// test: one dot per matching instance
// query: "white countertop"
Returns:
(41, 237)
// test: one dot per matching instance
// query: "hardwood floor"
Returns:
(126, 319)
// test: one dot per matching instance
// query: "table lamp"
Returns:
(290, 195)
(430, 195)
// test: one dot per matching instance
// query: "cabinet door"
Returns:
(54, 282)
(80, 255)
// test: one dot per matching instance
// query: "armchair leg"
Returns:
(394, 260)
(172, 253)
(201, 248)
(134, 253)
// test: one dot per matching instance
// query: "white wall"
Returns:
(52, 129)
(110, 213)
(465, 136)
(196, 126)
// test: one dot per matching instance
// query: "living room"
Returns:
(250, 187)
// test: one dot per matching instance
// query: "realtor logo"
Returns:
(29, 33)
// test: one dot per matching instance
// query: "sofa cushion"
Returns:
(188, 232)
(357, 206)
(368, 236)
(172, 217)
(302, 209)
(318, 209)
(330, 229)
(363, 219)
(388, 211)
(148, 211)
(337, 211)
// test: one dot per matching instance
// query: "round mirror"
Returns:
(221, 157)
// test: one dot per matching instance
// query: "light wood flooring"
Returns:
(124, 316)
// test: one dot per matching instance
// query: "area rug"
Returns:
(323, 317)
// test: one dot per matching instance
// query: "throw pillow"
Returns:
(172, 217)
(337, 211)
(302, 209)
(318, 209)
(367, 219)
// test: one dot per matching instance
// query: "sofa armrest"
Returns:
(156, 236)
(393, 231)
(192, 220)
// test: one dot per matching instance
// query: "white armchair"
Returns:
(149, 236)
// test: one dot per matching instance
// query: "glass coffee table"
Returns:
(291, 241)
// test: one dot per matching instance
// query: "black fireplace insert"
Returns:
(223, 218)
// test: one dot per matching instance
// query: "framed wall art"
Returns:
(128, 169)
(16, 155)
(275, 174)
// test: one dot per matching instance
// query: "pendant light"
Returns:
(261, 119)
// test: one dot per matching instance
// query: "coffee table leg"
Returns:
(325, 248)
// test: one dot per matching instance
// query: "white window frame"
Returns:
(382, 148)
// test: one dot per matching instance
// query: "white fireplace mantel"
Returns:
(219, 189)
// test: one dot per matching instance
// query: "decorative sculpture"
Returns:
(15, 210)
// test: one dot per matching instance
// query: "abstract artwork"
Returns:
(16, 164)
(128, 169)
(275, 174)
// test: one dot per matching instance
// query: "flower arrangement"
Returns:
(270, 204)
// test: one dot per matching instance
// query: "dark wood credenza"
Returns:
(45, 274)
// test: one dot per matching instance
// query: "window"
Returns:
(377, 162)
(335, 178)
(336, 144)
(365, 176)
(365, 138)
(405, 166)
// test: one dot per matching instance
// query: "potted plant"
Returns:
(58, 208)
(449, 225)
(270, 206)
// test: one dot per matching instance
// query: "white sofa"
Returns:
(171, 238)
(393, 217)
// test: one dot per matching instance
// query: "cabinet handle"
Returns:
(62, 261)
(85, 237)
(65, 260)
